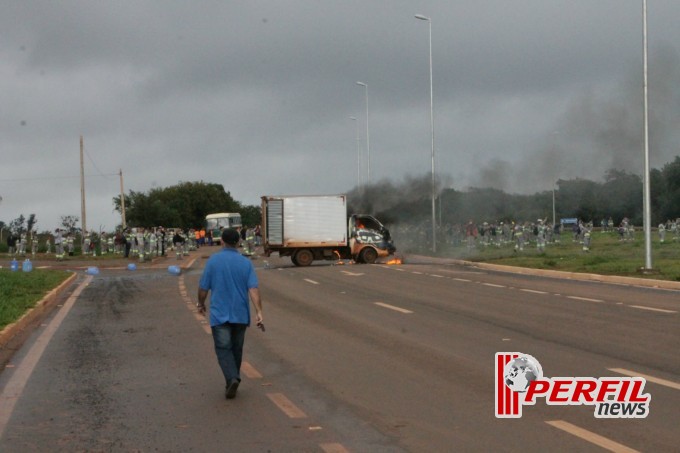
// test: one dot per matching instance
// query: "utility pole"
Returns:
(82, 192)
(122, 198)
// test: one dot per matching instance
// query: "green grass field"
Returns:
(20, 291)
(607, 256)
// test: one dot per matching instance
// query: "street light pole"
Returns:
(553, 200)
(434, 190)
(368, 139)
(358, 155)
(82, 194)
(646, 202)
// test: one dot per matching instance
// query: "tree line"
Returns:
(184, 205)
(618, 196)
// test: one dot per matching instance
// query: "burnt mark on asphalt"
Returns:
(89, 369)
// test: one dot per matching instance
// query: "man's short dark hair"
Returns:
(230, 236)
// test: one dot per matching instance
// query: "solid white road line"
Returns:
(584, 299)
(660, 310)
(591, 437)
(311, 281)
(461, 280)
(392, 307)
(493, 285)
(664, 382)
(15, 386)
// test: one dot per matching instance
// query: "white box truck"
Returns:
(317, 227)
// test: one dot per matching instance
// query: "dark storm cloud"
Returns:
(257, 95)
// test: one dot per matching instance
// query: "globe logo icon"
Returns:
(520, 372)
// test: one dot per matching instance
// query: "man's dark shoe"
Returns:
(232, 388)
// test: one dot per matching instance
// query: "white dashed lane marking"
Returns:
(353, 274)
(533, 291)
(585, 299)
(656, 380)
(591, 437)
(392, 307)
(527, 290)
(660, 310)
(493, 285)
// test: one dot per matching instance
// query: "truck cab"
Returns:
(369, 239)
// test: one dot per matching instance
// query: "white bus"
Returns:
(215, 223)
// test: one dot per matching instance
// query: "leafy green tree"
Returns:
(69, 223)
(30, 223)
(17, 225)
(658, 195)
(184, 205)
(578, 198)
(666, 191)
(251, 215)
(621, 196)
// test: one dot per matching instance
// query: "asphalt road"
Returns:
(364, 358)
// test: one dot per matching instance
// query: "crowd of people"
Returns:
(148, 243)
(141, 243)
(520, 235)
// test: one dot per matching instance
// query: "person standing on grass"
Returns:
(232, 280)
(11, 244)
(662, 232)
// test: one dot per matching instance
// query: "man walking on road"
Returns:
(232, 280)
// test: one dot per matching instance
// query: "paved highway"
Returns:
(354, 358)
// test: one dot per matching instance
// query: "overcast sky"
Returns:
(257, 95)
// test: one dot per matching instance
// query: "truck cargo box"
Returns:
(305, 221)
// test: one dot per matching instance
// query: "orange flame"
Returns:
(395, 261)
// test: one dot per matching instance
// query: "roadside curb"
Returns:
(11, 330)
(632, 281)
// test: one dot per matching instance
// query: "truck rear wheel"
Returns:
(368, 255)
(303, 257)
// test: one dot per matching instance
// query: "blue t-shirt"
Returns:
(229, 276)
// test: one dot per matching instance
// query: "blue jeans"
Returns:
(229, 340)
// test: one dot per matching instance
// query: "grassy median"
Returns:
(607, 256)
(20, 291)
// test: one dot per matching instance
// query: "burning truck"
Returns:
(318, 227)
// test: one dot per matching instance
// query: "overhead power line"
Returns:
(55, 177)
(95, 165)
